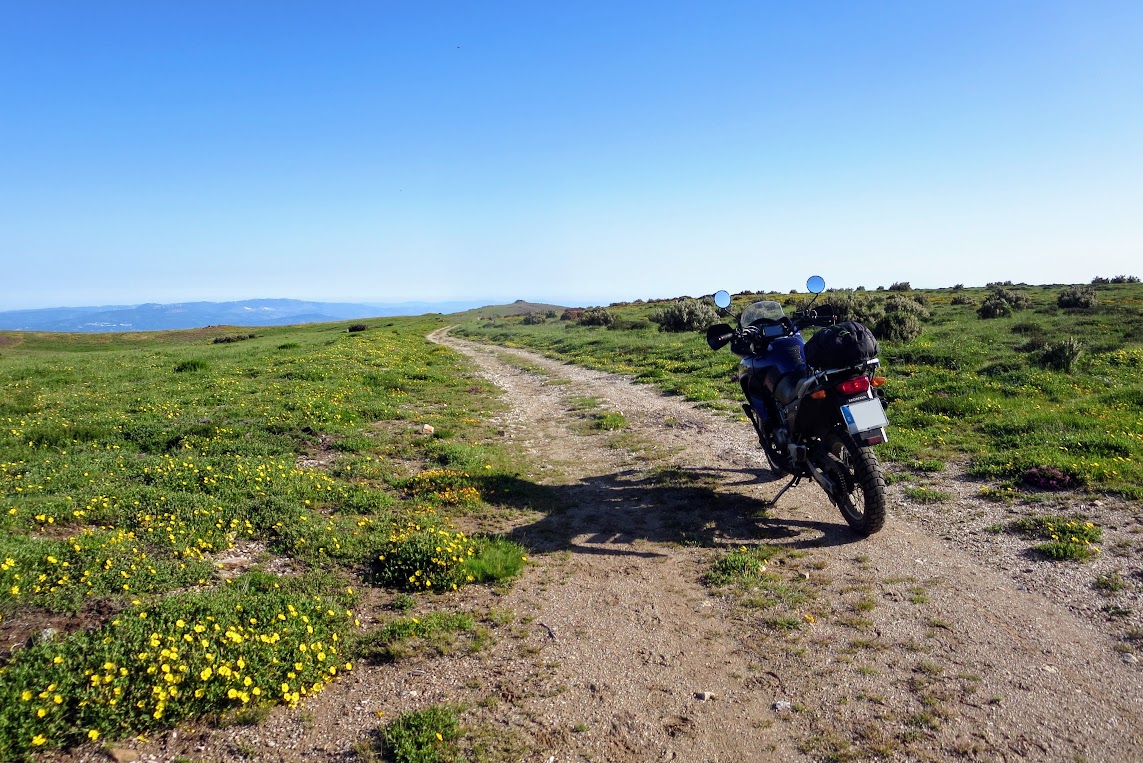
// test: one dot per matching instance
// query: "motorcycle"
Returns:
(818, 407)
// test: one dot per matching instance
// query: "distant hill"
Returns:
(519, 307)
(187, 315)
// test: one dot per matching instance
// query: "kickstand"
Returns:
(782, 492)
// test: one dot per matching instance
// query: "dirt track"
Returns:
(907, 648)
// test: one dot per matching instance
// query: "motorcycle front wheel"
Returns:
(860, 491)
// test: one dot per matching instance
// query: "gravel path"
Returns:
(910, 645)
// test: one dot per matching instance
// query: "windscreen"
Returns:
(767, 310)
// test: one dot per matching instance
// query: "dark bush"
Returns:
(963, 299)
(1100, 281)
(1002, 302)
(1077, 296)
(998, 284)
(1035, 343)
(190, 365)
(235, 338)
(685, 315)
(1125, 279)
(1062, 355)
(1047, 478)
(901, 286)
(1027, 327)
(533, 319)
(958, 287)
(355, 327)
(572, 314)
(1002, 368)
(630, 324)
(596, 316)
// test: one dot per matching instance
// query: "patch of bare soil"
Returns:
(932, 640)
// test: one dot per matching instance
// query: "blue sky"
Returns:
(581, 153)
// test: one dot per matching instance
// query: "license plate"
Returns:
(863, 416)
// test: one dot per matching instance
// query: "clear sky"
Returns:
(577, 152)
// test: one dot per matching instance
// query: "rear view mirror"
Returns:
(722, 299)
(815, 284)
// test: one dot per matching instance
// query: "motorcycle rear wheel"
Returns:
(860, 493)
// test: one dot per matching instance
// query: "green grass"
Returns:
(741, 567)
(966, 388)
(434, 633)
(1064, 538)
(132, 465)
(922, 494)
(422, 736)
(745, 574)
(610, 421)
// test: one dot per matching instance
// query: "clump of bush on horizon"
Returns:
(1099, 281)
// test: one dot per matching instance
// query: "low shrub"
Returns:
(355, 327)
(1002, 302)
(194, 364)
(848, 306)
(534, 319)
(1076, 297)
(1062, 355)
(901, 286)
(596, 316)
(630, 324)
(902, 319)
(963, 299)
(1047, 478)
(1027, 327)
(685, 315)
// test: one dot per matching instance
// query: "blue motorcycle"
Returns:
(818, 406)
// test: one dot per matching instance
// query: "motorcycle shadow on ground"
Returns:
(616, 513)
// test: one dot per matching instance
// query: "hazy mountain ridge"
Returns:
(187, 315)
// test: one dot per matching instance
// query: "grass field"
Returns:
(190, 520)
(150, 483)
(966, 387)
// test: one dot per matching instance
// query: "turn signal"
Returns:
(818, 394)
(854, 386)
(879, 381)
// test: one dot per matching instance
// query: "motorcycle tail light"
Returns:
(854, 386)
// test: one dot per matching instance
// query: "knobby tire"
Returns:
(861, 490)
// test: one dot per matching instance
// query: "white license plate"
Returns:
(863, 416)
